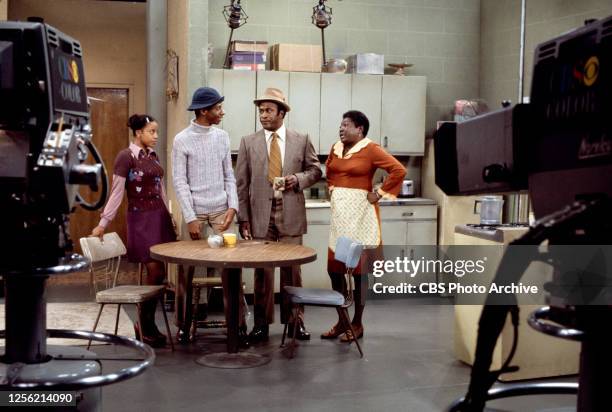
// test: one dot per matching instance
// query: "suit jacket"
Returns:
(255, 191)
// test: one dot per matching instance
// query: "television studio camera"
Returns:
(45, 144)
(559, 149)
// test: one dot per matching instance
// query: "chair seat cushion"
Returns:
(129, 294)
(311, 296)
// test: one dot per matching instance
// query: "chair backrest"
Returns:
(97, 250)
(105, 258)
(348, 251)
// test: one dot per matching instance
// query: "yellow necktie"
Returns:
(274, 159)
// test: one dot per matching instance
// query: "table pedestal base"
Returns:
(240, 360)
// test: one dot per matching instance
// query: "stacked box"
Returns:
(296, 57)
(366, 63)
(248, 60)
(249, 46)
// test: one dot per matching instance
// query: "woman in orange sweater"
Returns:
(354, 207)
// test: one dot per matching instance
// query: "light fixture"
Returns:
(322, 17)
(235, 17)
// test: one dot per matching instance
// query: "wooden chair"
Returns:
(348, 252)
(105, 258)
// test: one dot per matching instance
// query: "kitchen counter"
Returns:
(502, 234)
(411, 201)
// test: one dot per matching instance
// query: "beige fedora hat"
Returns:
(272, 94)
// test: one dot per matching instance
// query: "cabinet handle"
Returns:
(408, 214)
(385, 141)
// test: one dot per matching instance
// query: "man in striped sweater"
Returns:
(204, 181)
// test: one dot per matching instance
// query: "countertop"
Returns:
(411, 201)
(502, 234)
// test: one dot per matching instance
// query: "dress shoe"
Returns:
(259, 334)
(243, 337)
(300, 334)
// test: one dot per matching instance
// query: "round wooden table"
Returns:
(246, 254)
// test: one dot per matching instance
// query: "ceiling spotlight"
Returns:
(322, 17)
(235, 17)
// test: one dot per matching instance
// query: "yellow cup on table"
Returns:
(229, 239)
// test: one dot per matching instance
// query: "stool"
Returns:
(206, 282)
(198, 284)
(133, 295)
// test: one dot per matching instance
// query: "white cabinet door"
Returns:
(239, 92)
(314, 274)
(304, 99)
(421, 232)
(366, 97)
(335, 100)
(394, 246)
(278, 80)
(421, 238)
(403, 114)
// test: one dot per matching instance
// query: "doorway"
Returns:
(109, 117)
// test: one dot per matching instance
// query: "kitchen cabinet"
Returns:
(314, 274)
(395, 105)
(335, 100)
(239, 90)
(402, 125)
(403, 227)
(305, 96)
(409, 231)
(394, 241)
(366, 97)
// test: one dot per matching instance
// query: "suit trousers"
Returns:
(264, 277)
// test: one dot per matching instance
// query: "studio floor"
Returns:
(408, 366)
